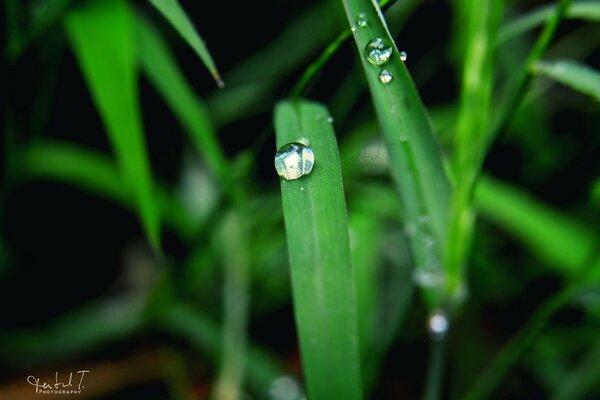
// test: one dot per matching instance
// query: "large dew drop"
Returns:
(378, 51)
(294, 160)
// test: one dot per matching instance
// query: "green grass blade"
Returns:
(554, 238)
(102, 36)
(577, 76)
(159, 65)
(94, 173)
(476, 93)
(584, 10)
(415, 158)
(172, 11)
(522, 77)
(322, 277)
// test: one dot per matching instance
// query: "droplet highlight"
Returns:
(385, 77)
(294, 160)
(437, 325)
(378, 51)
(403, 56)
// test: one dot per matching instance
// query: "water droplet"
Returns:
(353, 28)
(294, 160)
(361, 20)
(330, 120)
(437, 325)
(403, 56)
(378, 51)
(385, 76)
(302, 188)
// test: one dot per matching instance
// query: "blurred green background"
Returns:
(142, 234)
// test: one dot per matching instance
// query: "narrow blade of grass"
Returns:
(322, 277)
(102, 36)
(172, 11)
(584, 10)
(577, 76)
(522, 77)
(415, 158)
(483, 19)
(162, 70)
(556, 239)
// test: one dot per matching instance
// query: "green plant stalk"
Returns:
(236, 265)
(521, 81)
(322, 275)
(435, 371)
(477, 85)
(416, 161)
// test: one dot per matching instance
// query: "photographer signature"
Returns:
(57, 384)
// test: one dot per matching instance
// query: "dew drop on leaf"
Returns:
(294, 160)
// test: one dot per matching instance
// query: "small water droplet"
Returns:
(385, 76)
(361, 20)
(302, 188)
(330, 120)
(437, 325)
(294, 160)
(403, 56)
(378, 51)
(353, 28)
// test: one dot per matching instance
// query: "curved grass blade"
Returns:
(163, 72)
(322, 276)
(584, 10)
(522, 77)
(95, 173)
(554, 238)
(102, 36)
(577, 76)
(415, 158)
(172, 11)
